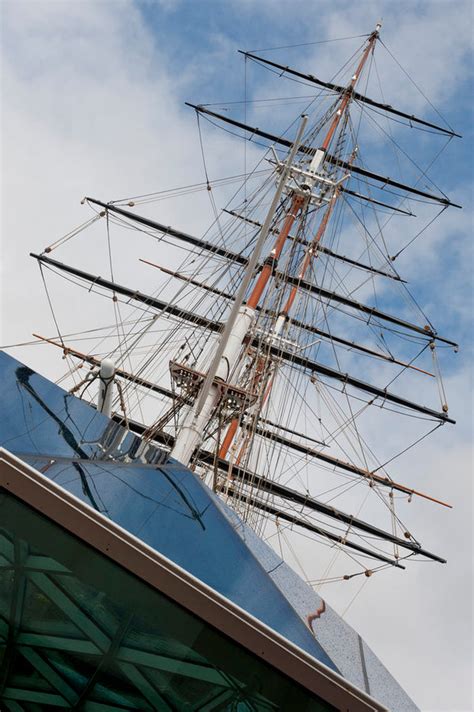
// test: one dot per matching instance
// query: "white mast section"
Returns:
(238, 324)
(106, 387)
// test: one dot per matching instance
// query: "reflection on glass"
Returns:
(95, 459)
(77, 631)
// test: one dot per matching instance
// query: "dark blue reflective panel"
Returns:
(165, 505)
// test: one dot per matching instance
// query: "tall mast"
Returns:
(238, 325)
(300, 202)
(300, 185)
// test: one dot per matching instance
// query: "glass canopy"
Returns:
(159, 501)
(79, 632)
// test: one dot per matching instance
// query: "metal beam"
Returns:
(57, 642)
(266, 485)
(279, 514)
(50, 674)
(324, 250)
(42, 698)
(310, 151)
(355, 95)
(149, 692)
(215, 326)
(236, 257)
(79, 619)
(193, 670)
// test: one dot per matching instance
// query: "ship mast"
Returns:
(237, 382)
(305, 188)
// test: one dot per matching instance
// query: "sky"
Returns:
(92, 102)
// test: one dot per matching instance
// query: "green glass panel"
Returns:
(6, 591)
(84, 633)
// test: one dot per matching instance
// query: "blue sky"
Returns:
(93, 103)
(198, 42)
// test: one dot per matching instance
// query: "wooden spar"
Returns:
(271, 261)
(280, 514)
(165, 308)
(333, 461)
(309, 151)
(366, 198)
(349, 380)
(227, 254)
(324, 250)
(310, 366)
(292, 432)
(264, 484)
(347, 466)
(242, 260)
(358, 97)
(189, 280)
(372, 312)
(295, 322)
(172, 232)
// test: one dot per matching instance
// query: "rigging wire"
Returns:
(344, 613)
(415, 84)
(409, 447)
(423, 173)
(308, 44)
(420, 232)
(50, 303)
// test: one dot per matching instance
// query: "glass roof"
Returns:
(79, 632)
(159, 501)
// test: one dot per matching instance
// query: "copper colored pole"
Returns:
(229, 436)
(270, 263)
(311, 252)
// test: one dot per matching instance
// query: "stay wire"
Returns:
(307, 44)
(51, 305)
(402, 452)
(415, 85)
(423, 172)
(397, 254)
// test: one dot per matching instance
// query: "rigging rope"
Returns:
(308, 44)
